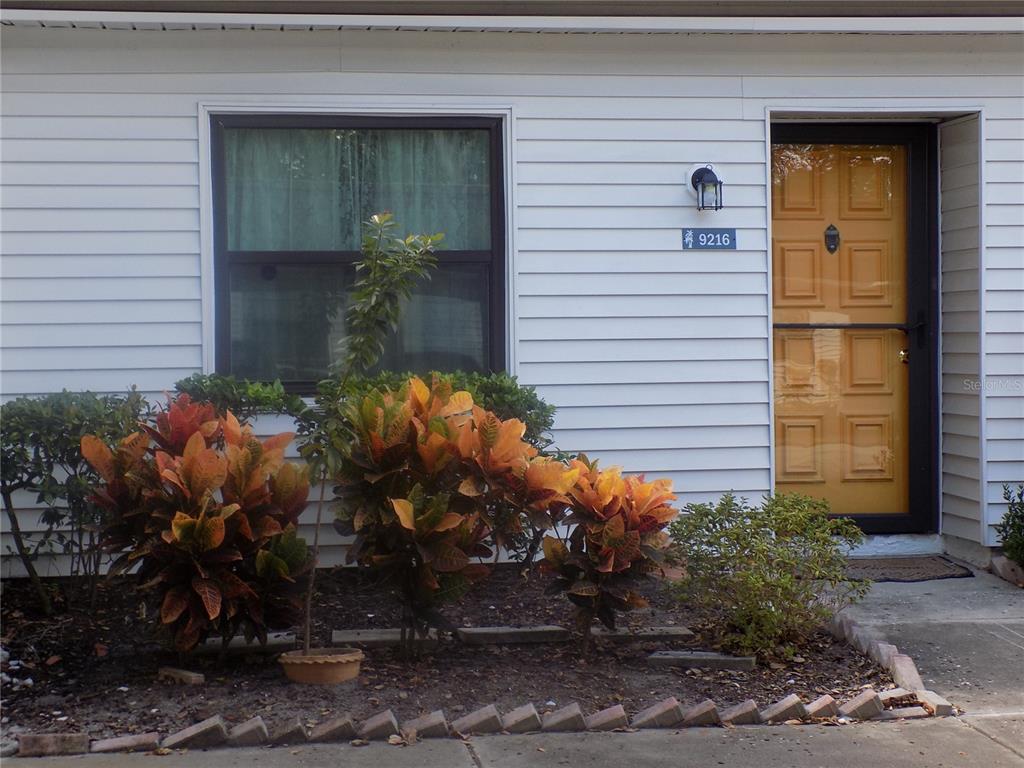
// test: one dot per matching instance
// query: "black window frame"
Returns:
(494, 258)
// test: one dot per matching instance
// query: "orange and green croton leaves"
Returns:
(624, 517)
(207, 511)
(426, 477)
(431, 477)
(182, 418)
(618, 534)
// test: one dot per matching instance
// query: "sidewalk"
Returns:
(922, 744)
(967, 638)
(966, 635)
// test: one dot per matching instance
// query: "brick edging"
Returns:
(912, 698)
(1007, 570)
(901, 666)
(384, 726)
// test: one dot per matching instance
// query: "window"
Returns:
(290, 196)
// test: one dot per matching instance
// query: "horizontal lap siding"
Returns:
(634, 341)
(961, 329)
(100, 224)
(611, 311)
(657, 359)
(1004, 316)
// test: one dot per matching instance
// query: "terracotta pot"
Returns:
(323, 666)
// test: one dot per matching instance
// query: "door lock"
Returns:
(904, 356)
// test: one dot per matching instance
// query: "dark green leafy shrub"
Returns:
(1011, 529)
(40, 454)
(245, 399)
(769, 575)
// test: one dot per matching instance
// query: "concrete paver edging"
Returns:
(1007, 570)
(908, 701)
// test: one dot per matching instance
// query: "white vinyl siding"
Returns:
(960, 376)
(1003, 283)
(656, 358)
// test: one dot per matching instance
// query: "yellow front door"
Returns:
(839, 219)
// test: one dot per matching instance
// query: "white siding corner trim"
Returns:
(962, 335)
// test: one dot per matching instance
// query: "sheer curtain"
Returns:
(309, 190)
(301, 189)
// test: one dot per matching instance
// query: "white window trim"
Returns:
(344, 107)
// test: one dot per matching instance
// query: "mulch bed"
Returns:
(95, 670)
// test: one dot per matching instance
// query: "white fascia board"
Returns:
(596, 24)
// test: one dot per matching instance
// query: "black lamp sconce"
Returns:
(706, 187)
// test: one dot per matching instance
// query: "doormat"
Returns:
(922, 568)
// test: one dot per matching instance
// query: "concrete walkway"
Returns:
(967, 638)
(966, 635)
(922, 744)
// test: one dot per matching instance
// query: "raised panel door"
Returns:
(839, 219)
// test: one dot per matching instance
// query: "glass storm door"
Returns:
(841, 347)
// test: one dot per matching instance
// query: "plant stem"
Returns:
(588, 633)
(316, 559)
(531, 551)
(23, 553)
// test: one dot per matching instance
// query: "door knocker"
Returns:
(831, 238)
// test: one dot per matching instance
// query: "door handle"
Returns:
(904, 356)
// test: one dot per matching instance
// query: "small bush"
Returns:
(770, 575)
(1011, 529)
(40, 454)
(324, 428)
(386, 275)
(208, 513)
(245, 399)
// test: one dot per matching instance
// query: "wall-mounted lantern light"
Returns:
(706, 187)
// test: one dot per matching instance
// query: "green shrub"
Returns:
(386, 274)
(1011, 529)
(40, 454)
(769, 575)
(245, 399)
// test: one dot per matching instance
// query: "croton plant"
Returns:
(208, 513)
(427, 488)
(433, 483)
(616, 533)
